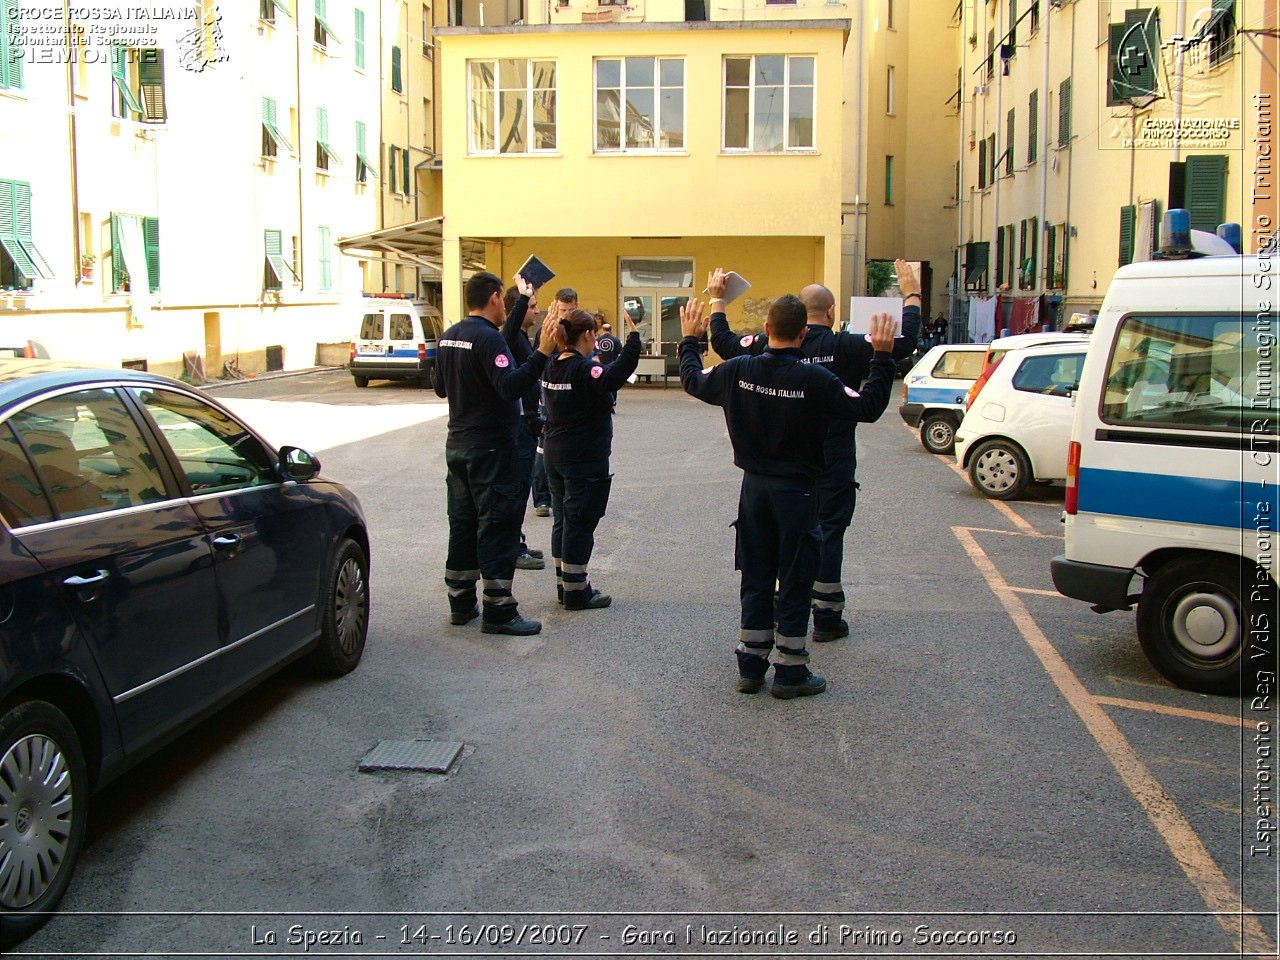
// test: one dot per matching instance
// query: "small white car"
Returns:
(935, 389)
(1018, 427)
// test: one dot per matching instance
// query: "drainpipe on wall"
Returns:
(1038, 242)
(998, 75)
(72, 61)
(297, 91)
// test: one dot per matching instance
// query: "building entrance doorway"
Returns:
(651, 291)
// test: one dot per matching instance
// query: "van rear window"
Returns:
(959, 365)
(371, 327)
(1198, 372)
(401, 327)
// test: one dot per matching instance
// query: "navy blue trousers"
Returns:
(778, 542)
(579, 497)
(837, 492)
(485, 501)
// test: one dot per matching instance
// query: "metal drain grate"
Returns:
(424, 756)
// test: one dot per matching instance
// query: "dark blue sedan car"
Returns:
(157, 558)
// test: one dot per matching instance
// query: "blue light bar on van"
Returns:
(1175, 234)
(1231, 233)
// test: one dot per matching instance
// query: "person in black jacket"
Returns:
(777, 406)
(476, 371)
(576, 390)
(521, 305)
(848, 356)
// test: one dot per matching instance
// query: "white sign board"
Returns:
(861, 309)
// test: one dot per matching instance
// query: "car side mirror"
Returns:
(298, 464)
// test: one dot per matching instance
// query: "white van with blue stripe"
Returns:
(1174, 467)
(395, 340)
(935, 390)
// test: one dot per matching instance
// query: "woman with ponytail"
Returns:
(579, 438)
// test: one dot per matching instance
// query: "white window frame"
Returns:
(656, 88)
(751, 103)
(496, 94)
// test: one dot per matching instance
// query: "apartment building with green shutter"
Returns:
(176, 187)
(1083, 122)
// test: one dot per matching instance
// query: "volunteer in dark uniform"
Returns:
(848, 356)
(577, 445)
(608, 346)
(777, 407)
(521, 305)
(475, 370)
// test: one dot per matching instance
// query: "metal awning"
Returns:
(419, 244)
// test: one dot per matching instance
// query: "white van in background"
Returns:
(395, 339)
(1174, 467)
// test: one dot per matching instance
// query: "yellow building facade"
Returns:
(635, 158)
(1085, 122)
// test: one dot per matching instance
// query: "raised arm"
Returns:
(844, 402)
(696, 383)
(724, 341)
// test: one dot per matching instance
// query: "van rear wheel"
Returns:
(938, 434)
(1192, 619)
(361, 381)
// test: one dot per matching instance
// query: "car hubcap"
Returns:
(996, 470)
(351, 599)
(940, 434)
(35, 819)
(1205, 625)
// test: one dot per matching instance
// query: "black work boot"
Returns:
(751, 671)
(588, 599)
(517, 626)
(826, 629)
(795, 681)
(459, 617)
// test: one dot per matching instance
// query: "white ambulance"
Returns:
(395, 340)
(1174, 467)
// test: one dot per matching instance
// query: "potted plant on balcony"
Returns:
(87, 260)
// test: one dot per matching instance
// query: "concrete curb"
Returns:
(274, 375)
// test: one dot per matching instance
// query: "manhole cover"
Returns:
(425, 756)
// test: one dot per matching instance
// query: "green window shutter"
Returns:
(322, 134)
(991, 159)
(9, 217)
(1206, 190)
(982, 163)
(151, 84)
(117, 257)
(275, 269)
(120, 77)
(1128, 221)
(1033, 251)
(392, 182)
(10, 47)
(1051, 255)
(396, 84)
(407, 173)
(1008, 142)
(1064, 112)
(326, 260)
(151, 243)
(359, 33)
(271, 122)
(365, 166)
(1033, 125)
(23, 228)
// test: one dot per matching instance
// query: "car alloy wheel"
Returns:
(344, 612)
(43, 808)
(999, 470)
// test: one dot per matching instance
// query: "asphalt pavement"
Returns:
(957, 790)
